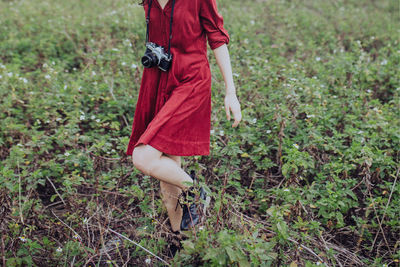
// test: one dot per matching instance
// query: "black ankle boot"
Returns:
(173, 249)
(191, 215)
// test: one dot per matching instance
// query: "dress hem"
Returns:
(164, 145)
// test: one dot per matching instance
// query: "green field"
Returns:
(310, 178)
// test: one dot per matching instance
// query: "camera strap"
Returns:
(170, 23)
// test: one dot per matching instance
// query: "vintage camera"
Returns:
(155, 56)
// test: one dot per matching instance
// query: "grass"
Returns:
(309, 178)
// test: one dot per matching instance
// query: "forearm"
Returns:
(223, 60)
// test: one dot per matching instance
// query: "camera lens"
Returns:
(147, 61)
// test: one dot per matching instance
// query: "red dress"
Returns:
(174, 108)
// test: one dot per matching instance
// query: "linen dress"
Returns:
(173, 110)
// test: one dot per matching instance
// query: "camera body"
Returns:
(156, 56)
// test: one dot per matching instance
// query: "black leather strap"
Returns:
(170, 23)
(170, 26)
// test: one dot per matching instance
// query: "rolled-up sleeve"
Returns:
(213, 24)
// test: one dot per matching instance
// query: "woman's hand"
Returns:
(232, 104)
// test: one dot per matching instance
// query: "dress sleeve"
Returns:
(213, 24)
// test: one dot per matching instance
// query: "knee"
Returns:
(141, 161)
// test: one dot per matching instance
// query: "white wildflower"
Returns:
(296, 146)
(286, 190)
(212, 132)
(221, 132)
(133, 66)
(235, 74)
(22, 238)
(44, 65)
(53, 63)
(384, 62)
(82, 117)
(310, 116)
(76, 236)
(318, 59)
(123, 63)
(252, 22)
(79, 88)
(47, 76)
(1, 76)
(147, 261)
(85, 220)
(93, 73)
(268, 131)
(115, 49)
(65, 86)
(92, 117)
(254, 120)
(25, 80)
(66, 154)
(59, 249)
(97, 120)
(58, 119)
(10, 74)
(2, 66)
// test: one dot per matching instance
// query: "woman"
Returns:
(172, 116)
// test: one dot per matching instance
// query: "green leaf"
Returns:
(283, 229)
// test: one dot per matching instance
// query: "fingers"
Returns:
(236, 123)
(228, 115)
(232, 105)
(238, 117)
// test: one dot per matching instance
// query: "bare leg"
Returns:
(152, 162)
(170, 195)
